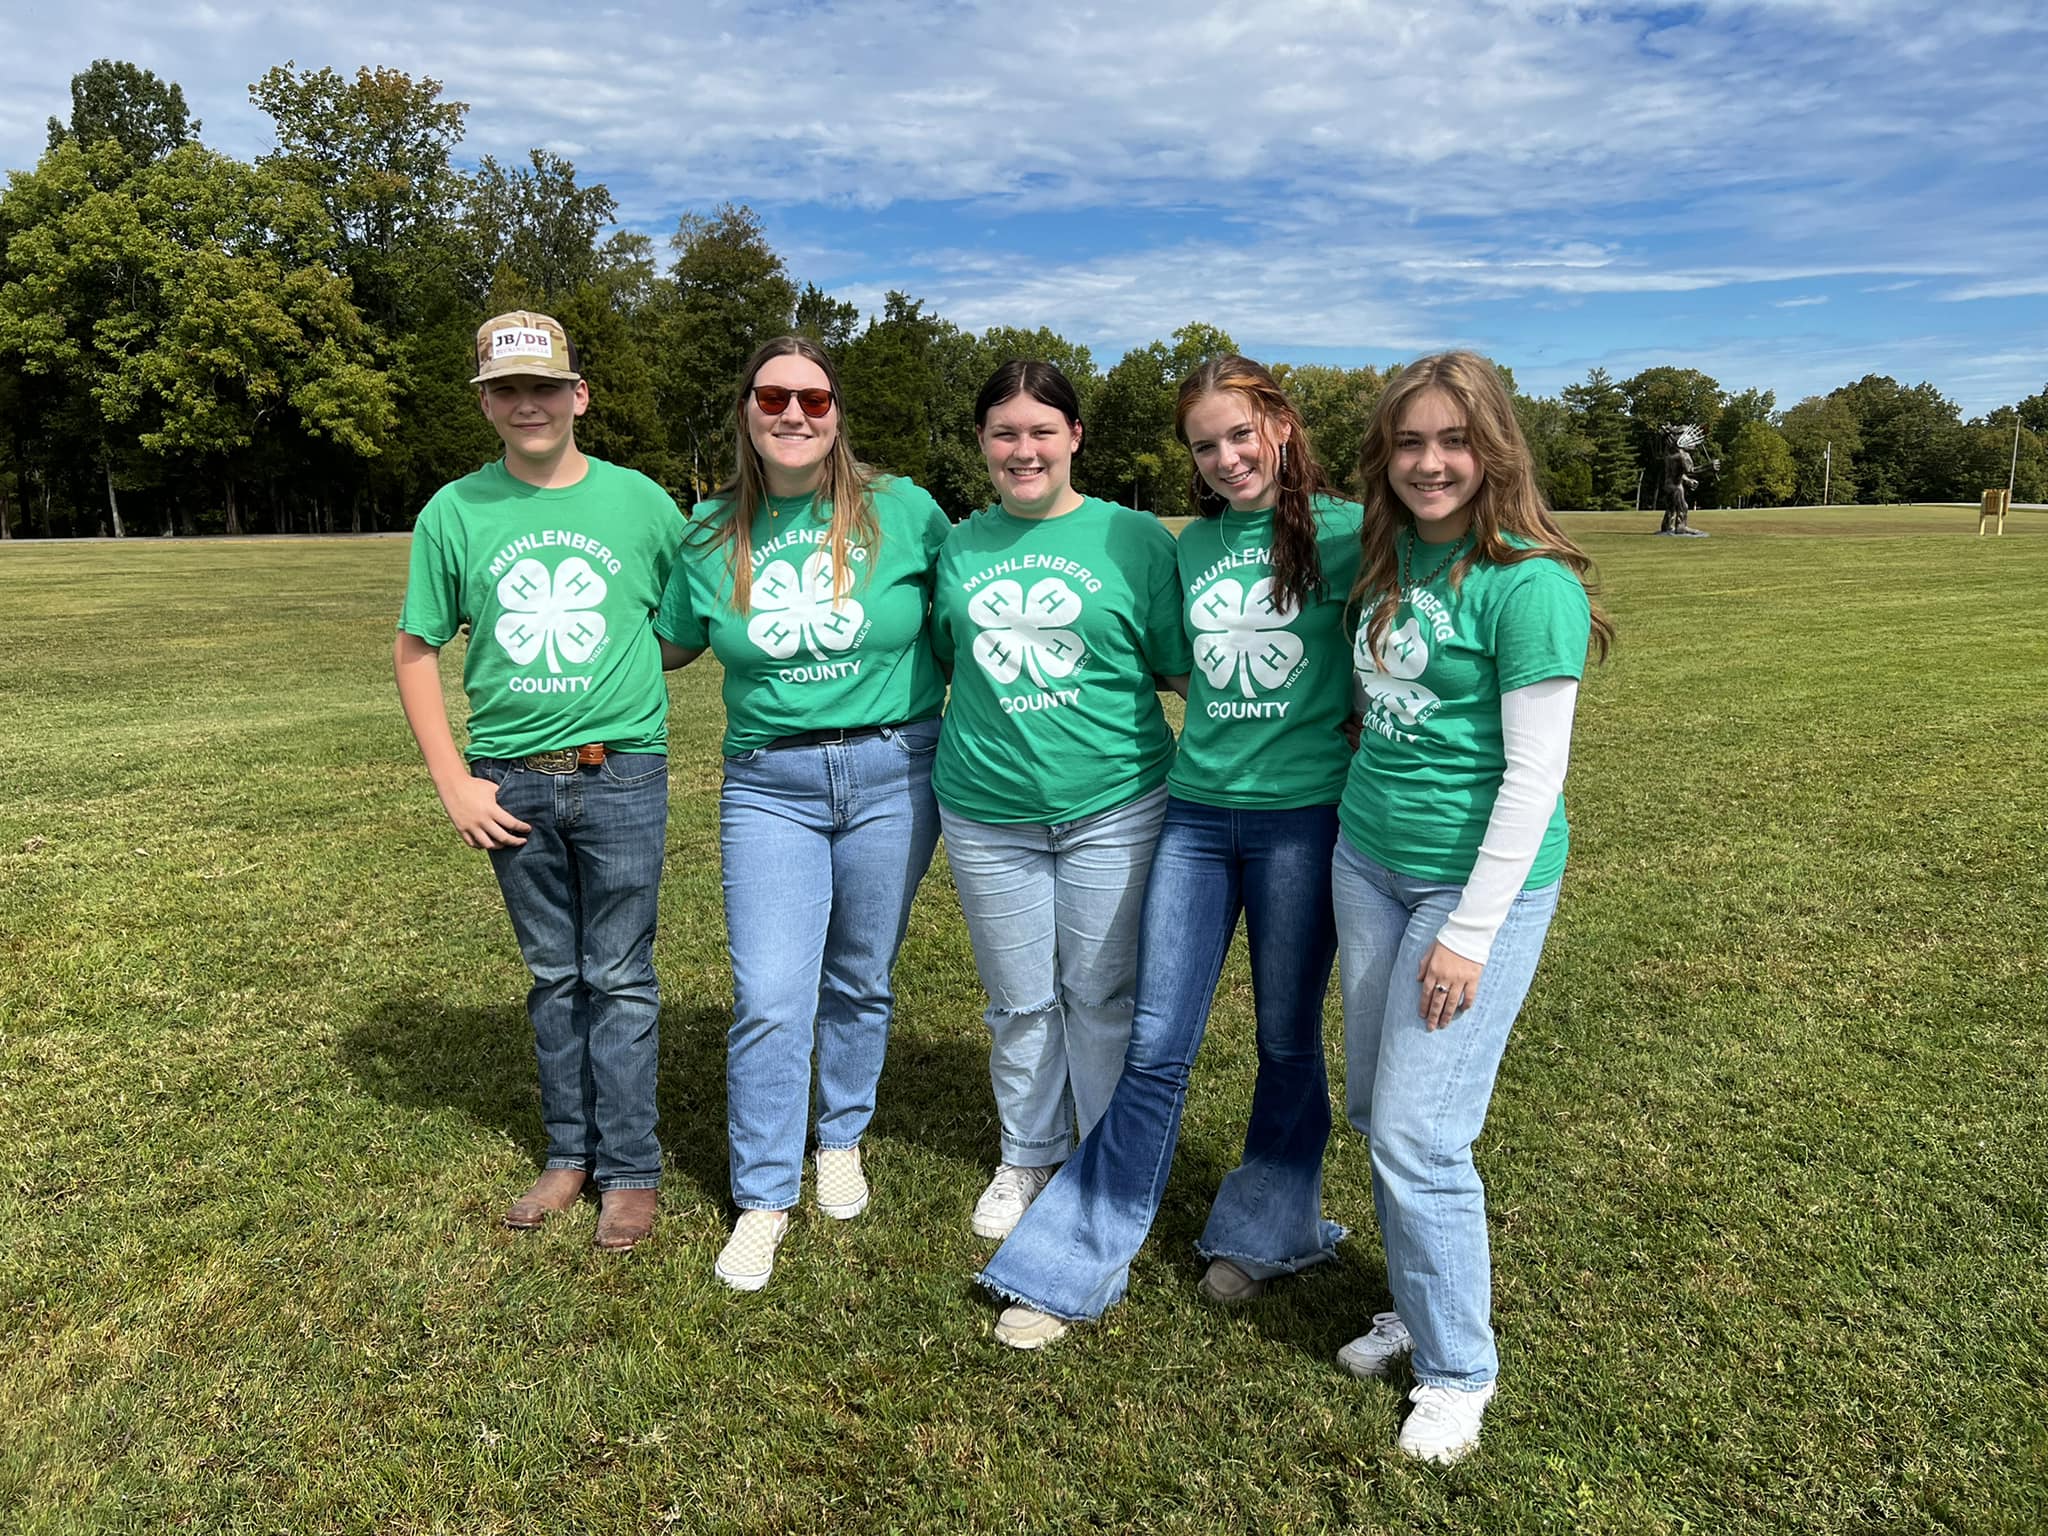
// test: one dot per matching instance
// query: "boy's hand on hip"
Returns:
(472, 804)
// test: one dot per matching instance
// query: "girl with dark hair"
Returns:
(1059, 619)
(1473, 630)
(811, 578)
(1264, 575)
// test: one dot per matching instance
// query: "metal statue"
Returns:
(1678, 479)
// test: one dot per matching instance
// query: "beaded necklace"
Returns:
(1408, 551)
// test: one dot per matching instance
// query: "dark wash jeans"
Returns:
(582, 893)
(1071, 1254)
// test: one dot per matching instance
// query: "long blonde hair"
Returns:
(847, 484)
(1506, 503)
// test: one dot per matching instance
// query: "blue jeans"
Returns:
(582, 892)
(1419, 1096)
(823, 847)
(1071, 1253)
(1053, 915)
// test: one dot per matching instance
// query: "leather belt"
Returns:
(565, 760)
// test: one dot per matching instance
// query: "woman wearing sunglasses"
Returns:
(810, 577)
(1059, 617)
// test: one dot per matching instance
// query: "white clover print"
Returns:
(793, 609)
(1023, 631)
(1244, 635)
(555, 613)
(1391, 685)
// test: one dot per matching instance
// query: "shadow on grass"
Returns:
(479, 1061)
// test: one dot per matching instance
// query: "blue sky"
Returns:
(1786, 193)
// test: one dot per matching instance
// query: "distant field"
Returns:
(1766, 1164)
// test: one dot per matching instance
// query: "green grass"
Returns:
(1766, 1162)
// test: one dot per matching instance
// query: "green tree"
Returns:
(129, 105)
(1131, 453)
(727, 293)
(1560, 455)
(79, 302)
(1910, 440)
(1824, 440)
(1335, 405)
(828, 321)
(533, 231)
(375, 151)
(1998, 447)
(1759, 465)
(891, 380)
(1599, 417)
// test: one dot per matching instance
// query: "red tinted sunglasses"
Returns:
(773, 400)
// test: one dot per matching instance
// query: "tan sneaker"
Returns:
(1029, 1328)
(842, 1187)
(748, 1258)
(1226, 1284)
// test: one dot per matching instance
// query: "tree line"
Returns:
(193, 344)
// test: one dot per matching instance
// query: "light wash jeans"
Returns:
(582, 891)
(1419, 1096)
(823, 847)
(1053, 915)
(1071, 1254)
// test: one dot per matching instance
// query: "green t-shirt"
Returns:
(1430, 759)
(1271, 686)
(557, 588)
(1054, 629)
(799, 660)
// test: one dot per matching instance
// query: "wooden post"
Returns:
(1995, 505)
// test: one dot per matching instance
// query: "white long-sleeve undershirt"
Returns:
(1536, 735)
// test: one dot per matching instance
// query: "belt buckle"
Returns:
(560, 761)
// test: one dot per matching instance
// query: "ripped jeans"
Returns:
(1053, 914)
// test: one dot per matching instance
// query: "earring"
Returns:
(1283, 461)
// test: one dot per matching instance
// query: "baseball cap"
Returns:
(523, 342)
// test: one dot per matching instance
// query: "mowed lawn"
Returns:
(1766, 1163)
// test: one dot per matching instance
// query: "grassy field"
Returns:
(1766, 1162)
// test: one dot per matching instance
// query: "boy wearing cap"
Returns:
(555, 562)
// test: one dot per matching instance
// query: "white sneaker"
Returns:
(1373, 1354)
(1029, 1328)
(748, 1258)
(1008, 1196)
(842, 1187)
(1444, 1426)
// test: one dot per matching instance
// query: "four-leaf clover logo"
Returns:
(1023, 631)
(1244, 634)
(555, 612)
(1390, 683)
(794, 609)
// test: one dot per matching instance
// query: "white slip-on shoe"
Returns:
(1444, 1426)
(748, 1258)
(842, 1187)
